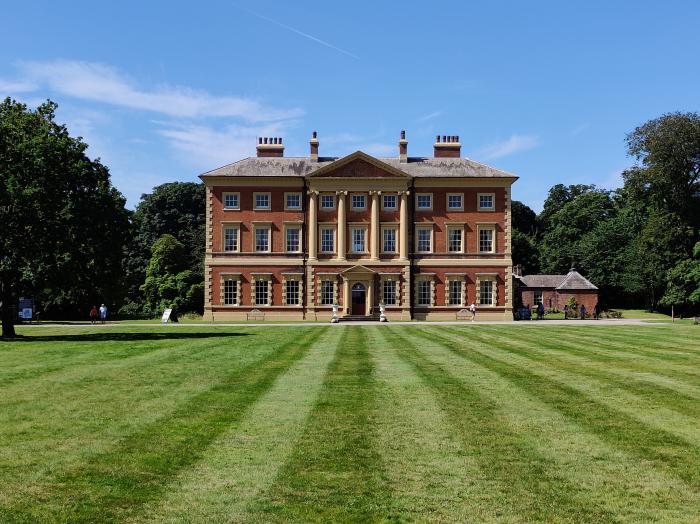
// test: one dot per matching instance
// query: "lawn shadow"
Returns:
(122, 337)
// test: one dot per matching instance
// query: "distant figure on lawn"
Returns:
(583, 312)
(93, 315)
(597, 310)
(566, 311)
(103, 313)
(472, 310)
(540, 311)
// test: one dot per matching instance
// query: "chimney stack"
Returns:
(449, 147)
(270, 146)
(403, 148)
(314, 147)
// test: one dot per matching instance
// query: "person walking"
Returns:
(566, 311)
(583, 312)
(472, 310)
(93, 315)
(103, 313)
(597, 310)
(540, 311)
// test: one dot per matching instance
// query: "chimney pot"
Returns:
(269, 146)
(313, 135)
(403, 148)
(449, 147)
(313, 144)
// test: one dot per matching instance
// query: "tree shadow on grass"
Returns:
(123, 337)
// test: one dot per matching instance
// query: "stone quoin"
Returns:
(291, 236)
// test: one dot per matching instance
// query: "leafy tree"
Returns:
(169, 283)
(525, 252)
(683, 282)
(560, 195)
(668, 148)
(524, 219)
(177, 209)
(63, 224)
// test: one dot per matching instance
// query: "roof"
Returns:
(303, 166)
(573, 280)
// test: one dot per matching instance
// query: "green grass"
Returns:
(351, 423)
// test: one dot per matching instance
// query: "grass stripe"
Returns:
(115, 484)
(626, 487)
(429, 473)
(551, 354)
(335, 473)
(661, 448)
(522, 481)
(241, 464)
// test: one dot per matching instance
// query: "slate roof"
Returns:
(573, 280)
(302, 166)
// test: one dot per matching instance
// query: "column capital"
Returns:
(341, 193)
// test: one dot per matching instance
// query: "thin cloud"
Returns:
(514, 144)
(300, 33)
(579, 129)
(10, 87)
(103, 83)
(429, 116)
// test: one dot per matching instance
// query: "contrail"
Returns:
(300, 33)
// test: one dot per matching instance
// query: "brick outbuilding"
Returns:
(554, 291)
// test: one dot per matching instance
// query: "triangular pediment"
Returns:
(357, 270)
(358, 165)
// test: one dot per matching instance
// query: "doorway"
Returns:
(359, 293)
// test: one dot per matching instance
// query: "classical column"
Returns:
(374, 246)
(403, 219)
(347, 302)
(313, 224)
(370, 296)
(341, 225)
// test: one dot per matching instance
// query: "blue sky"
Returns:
(165, 91)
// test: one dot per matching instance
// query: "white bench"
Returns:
(255, 314)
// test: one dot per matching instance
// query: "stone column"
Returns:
(313, 225)
(374, 246)
(403, 220)
(342, 227)
(347, 302)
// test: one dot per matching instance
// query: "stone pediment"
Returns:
(357, 270)
(359, 165)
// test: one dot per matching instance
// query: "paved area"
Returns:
(525, 323)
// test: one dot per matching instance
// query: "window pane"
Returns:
(455, 292)
(294, 201)
(389, 201)
(486, 292)
(485, 201)
(538, 297)
(230, 292)
(390, 240)
(486, 240)
(231, 239)
(358, 201)
(425, 201)
(293, 239)
(327, 292)
(292, 292)
(454, 237)
(327, 201)
(424, 292)
(261, 292)
(262, 236)
(327, 240)
(454, 201)
(424, 240)
(262, 201)
(358, 240)
(231, 200)
(389, 292)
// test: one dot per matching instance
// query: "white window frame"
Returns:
(292, 277)
(352, 201)
(421, 281)
(231, 225)
(396, 239)
(236, 279)
(333, 198)
(269, 200)
(461, 202)
(396, 202)
(538, 297)
(290, 227)
(260, 277)
(480, 279)
(287, 207)
(448, 292)
(323, 298)
(333, 228)
(432, 239)
(486, 227)
(354, 229)
(259, 227)
(493, 201)
(237, 207)
(392, 283)
(448, 244)
(419, 207)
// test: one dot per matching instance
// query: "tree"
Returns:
(177, 209)
(668, 148)
(524, 219)
(525, 252)
(560, 195)
(169, 283)
(683, 282)
(63, 224)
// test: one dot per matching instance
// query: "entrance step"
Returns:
(358, 318)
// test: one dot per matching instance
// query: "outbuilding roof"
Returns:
(303, 166)
(573, 280)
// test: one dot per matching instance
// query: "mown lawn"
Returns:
(350, 423)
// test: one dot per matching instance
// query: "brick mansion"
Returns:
(292, 236)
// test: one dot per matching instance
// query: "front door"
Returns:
(358, 299)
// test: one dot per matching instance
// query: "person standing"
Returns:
(583, 312)
(597, 310)
(540, 311)
(93, 315)
(472, 310)
(103, 313)
(566, 311)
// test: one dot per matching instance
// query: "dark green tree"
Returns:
(169, 283)
(560, 195)
(683, 283)
(63, 225)
(524, 219)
